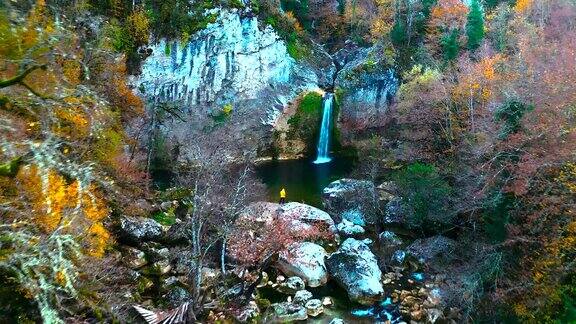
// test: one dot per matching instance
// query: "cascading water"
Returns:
(324, 139)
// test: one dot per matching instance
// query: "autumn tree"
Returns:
(60, 137)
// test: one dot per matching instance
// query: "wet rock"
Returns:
(428, 249)
(291, 285)
(302, 296)
(305, 260)
(356, 269)
(354, 198)
(314, 307)
(137, 230)
(285, 312)
(396, 212)
(349, 229)
(390, 240)
(398, 257)
(133, 258)
(346, 54)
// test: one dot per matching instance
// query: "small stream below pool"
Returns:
(302, 179)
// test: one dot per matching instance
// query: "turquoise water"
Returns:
(302, 179)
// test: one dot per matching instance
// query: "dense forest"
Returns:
(144, 143)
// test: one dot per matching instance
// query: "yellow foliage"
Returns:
(567, 177)
(73, 123)
(68, 206)
(138, 26)
(522, 6)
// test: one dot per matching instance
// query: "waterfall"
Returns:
(324, 139)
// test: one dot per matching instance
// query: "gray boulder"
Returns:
(285, 312)
(302, 296)
(349, 229)
(305, 260)
(396, 212)
(354, 199)
(137, 230)
(355, 268)
(291, 285)
(314, 307)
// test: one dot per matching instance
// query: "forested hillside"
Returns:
(423, 152)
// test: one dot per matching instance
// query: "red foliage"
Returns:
(252, 241)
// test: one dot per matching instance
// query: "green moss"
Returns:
(304, 124)
(165, 218)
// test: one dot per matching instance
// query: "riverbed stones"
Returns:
(136, 230)
(349, 229)
(291, 285)
(302, 296)
(305, 260)
(347, 196)
(285, 312)
(355, 268)
(314, 307)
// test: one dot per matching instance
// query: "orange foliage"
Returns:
(58, 205)
(523, 6)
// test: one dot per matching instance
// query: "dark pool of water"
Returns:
(302, 179)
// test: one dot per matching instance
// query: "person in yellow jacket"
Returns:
(282, 196)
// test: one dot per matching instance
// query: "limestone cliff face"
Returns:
(241, 66)
(236, 62)
(365, 88)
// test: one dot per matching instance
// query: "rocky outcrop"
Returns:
(291, 285)
(349, 229)
(355, 200)
(305, 260)
(356, 269)
(136, 230)
(365, 88)
(285, 312)
(236, 62)
(302, 296)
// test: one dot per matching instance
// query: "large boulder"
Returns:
(285, 312)
(356, 269)
(305, 260)
(349, 229)
(353, 199)
(301, 217)
(137, 230)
